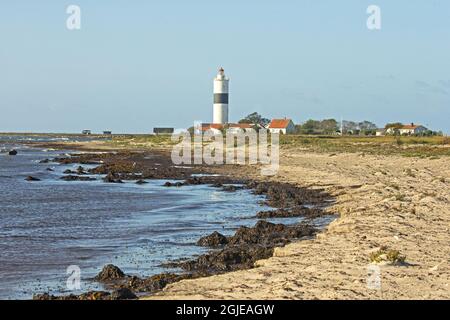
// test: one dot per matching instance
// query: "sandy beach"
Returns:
(399, 202)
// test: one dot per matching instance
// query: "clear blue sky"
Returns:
(139, 64)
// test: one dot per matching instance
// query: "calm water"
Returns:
(47, 225)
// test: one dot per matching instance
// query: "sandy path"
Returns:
(403, 203)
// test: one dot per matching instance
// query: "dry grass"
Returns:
(406, 146)
(387, 256)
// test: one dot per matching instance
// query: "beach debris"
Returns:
(91, 295)
(12, 152)
(76, 178)
(299, 211)
(384, 255)
(248, 245)
(228, 259)
(30, 178)
(110, 272)
(215, 239)
(154, 283)
(271, 234)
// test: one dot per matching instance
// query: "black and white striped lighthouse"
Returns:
(220, 111)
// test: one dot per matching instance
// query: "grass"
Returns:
(422, 147)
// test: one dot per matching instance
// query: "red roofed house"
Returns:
(284, 126)
(216, 128)
(408, 129)
(412, 129)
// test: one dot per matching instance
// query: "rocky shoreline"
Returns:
(236, 252)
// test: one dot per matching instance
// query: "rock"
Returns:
(267, 233)
(68, 171)
(228, 259)
(12, 152)
(91, 295)
(154, 283)
(111, 178)
(213, 240)
(140, 181)
(291, 212)
(45, 161)
(175, 184)
(30, 178)
(193, 181)
(231, 188)
(77, 178)
(123, 294)
(80, 170)
(49, 169)
(110, 272)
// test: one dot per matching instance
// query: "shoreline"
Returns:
(384, 200)
(237, 252)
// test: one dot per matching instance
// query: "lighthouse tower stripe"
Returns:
(221, 98)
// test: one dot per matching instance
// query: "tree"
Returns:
(367, 125)
(298, 129)
(310, 126)
(349, 127)
(256, 119)
(394, 125)
(329, 126)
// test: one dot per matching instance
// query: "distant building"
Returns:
(408, 129)
(163, 131)
(216, 128)
(230, 127)
(107, 133)
(87, 132)
(380, 132)
(284, 126)
(239, 127)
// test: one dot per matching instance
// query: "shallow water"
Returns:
(48, 225)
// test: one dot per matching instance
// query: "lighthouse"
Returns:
(220, 111)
